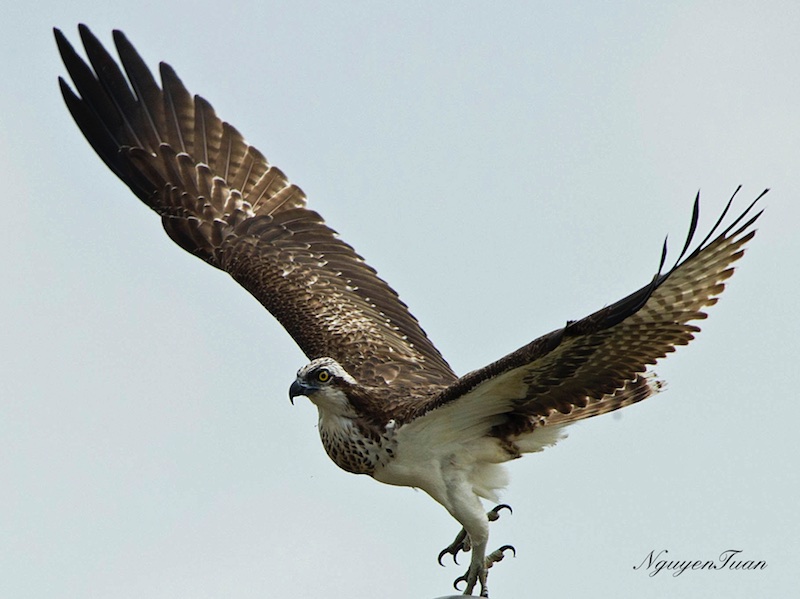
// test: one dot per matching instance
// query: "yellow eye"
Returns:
(323, 376)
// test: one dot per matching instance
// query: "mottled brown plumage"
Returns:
(389, 404)
(221, 200)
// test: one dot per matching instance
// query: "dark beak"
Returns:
(296, 389)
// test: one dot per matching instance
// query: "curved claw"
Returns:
(461, 543)
(498, 554)
(506, 547)
(445, 551)
(462, 578)
(494, 513)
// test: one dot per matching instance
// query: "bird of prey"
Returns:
(389, 404)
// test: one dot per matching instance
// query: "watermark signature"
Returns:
(730, 559)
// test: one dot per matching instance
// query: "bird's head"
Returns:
(325, 383)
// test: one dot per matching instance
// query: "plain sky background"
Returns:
(506, 166)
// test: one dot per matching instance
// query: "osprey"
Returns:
(389, 404)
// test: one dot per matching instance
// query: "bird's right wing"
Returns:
(221, 200)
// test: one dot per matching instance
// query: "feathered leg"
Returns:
(466, 507)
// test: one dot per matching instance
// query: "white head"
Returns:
(324, 382)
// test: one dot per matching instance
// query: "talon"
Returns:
(498, 554)
(494, 513)
(461, 543)
(459, 579)
(445, 551)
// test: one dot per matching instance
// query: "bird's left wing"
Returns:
(598, 364)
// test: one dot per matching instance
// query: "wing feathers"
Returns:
(148, 95)
(179, 110)
(221, 200)
(597, 364)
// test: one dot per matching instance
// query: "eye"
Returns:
(323, 376)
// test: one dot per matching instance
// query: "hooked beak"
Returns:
(296, 389)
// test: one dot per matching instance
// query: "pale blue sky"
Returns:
(506, 167)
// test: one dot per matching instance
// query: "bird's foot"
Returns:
(462, 543)
(480, 574)
(494, 513)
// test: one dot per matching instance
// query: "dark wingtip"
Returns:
(692, 227)
(61, 41)
(66, 90)
(663, 256)
(118, 36)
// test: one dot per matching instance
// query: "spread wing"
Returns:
(598, 364)
(220, 200)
